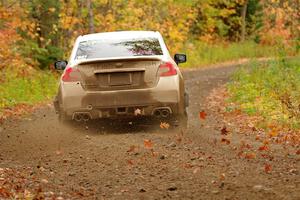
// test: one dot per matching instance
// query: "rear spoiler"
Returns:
(97, 60)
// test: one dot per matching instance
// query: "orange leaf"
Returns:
(202, 114)
(178, 138)
(263, 148)
(164, 125)
(298, 152)
(148, 144)
(268, 168)
(187, 165)
(224, 131)
(222, 177)
(250, 156)
(4, 193)
(273, 133)
(257, 137)
(130, 162)
(154, 154)
(240, 154)
(266, 142)
(226, 141)
(131, 149)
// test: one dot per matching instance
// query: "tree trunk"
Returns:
(244, 13)
(91, 16)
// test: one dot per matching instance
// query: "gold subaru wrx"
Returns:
(121, 75)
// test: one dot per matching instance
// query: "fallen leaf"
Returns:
(137, 112)
(224, 131)
(153, 153)
(164, 125)
(266, 142)
(130, 162)
(298, 152)
(222, 177)
(240, 154)
(250, 155)
(202, 115)
(257, 137)
(226, 141)
(4, 193)
(131, 149)
(268, 168)
(44, 181)
(148, 144)
(187, 165)
(263, 148)
(266, 156)
(273, 133)
(178, 138)
(196, 170)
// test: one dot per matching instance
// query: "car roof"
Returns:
(120, 35)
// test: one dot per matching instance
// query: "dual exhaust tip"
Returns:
(162, 112)
(81, 117)
(158, 112)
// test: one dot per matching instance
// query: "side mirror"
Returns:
(60, 65)
(180, 58)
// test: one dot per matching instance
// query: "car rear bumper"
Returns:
(121, 103)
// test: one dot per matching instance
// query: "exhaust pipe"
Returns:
(165, 113)
(157, 113)
(77, 117)
(86, 117)
(81, 116)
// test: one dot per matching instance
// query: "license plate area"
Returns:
(119, 79)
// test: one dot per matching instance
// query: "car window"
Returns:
(92, 49)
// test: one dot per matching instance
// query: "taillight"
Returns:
(167, 69)
(71, 75)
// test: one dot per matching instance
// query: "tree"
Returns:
(42, 40)
(244, 12)
(91, 16)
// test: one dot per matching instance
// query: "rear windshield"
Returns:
(118, 48)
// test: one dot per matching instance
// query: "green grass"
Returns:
(201, 54)
(270, 89)
(27, 90)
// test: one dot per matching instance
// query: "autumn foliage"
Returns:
(35, 33)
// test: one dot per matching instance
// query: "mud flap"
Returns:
(186, 99)
(56, 104)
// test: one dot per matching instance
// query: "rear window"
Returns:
(118, 48)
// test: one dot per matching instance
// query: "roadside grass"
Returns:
(270, 89)
(29, 90)
(201, 54)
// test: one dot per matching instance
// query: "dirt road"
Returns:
(112, 162)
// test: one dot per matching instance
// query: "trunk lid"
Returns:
(119, 74)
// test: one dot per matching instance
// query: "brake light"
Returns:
(167, 69)
(71, 75)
